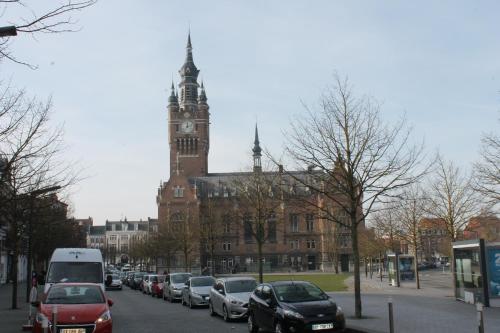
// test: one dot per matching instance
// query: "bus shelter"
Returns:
(476, 272)
(400, 267)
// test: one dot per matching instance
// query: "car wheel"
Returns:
(211, 309)
(278, 328)
(225, 314)
(190, 303)
(252, 328)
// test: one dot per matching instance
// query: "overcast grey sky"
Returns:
(436, 62)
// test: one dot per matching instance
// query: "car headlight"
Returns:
(293, 314)
(104, 317)
(236, 302)
(40, 317)
(195, 294)
(339, 311)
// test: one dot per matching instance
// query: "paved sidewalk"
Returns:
(429, 309)
(12, 320)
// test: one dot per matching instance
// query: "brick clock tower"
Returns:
(188, 123)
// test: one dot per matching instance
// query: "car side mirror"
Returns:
(221, 291)
(110, 302)
(35, 304)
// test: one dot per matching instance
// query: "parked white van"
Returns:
(75, 265)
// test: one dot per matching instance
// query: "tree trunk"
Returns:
(14, 275)
(261, 275)
(336, 263)
(357, 281)
(417, 277)
(366, 267)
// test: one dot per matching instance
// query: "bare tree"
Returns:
(488, 169)
(387, 226)
(333, 238)
(410, 211)
(213, 228)
(31, 153)
(358, 160)
(56, 20)
(259, 200)
(452, 198)
(185, 233)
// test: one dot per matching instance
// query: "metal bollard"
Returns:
(45, 325)
(391, 318)
(54, 318)
(480, 321)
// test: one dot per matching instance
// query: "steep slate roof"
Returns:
(97, 230)
(221, 182)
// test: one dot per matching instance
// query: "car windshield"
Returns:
(202, 281)
(299, 292)
(116, 277)
(75, 272)
(180, 278)
(240, 286)
(74, 295)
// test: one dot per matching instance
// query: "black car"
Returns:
(293, 306)
(137, 280)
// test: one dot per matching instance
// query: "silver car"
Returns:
(197, 290)
(173, 286)
(229, 297)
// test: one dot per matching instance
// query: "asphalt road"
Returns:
(135, 312)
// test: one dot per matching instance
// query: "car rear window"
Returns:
(240, 286)
(75, 272)
(207, 281)
(180, 278)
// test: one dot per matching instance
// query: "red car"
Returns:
(157, 285)
(81, 308)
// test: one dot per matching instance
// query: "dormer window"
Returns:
(178, 192)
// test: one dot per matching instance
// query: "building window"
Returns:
(178, 192)
(226, 246)
(177, 127)
(226, 224)
(271, 228)
(311, 244)
(294, 244)
(124, 238)
(310, 222)
(294, 222)
(248, 230)
(112, 238)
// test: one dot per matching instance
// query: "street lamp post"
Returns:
(32, 196)
(8, 31)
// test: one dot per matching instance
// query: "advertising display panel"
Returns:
(493, 258)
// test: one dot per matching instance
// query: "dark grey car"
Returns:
(196, 292)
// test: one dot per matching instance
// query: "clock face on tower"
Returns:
(187, 126)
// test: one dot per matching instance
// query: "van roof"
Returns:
(77, 254)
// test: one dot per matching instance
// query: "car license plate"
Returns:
(73, 330)
(322, 326)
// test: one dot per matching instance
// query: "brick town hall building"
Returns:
(295, 238)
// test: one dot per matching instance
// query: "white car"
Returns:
(229, 297)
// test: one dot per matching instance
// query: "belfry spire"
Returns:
(257, 152)
(189, 76)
